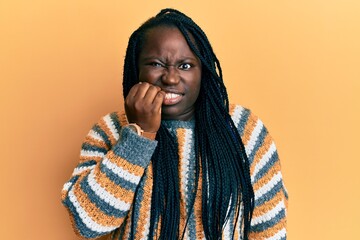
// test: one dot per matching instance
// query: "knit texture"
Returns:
(114, 175)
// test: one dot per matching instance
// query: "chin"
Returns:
(176, 114)
(170, 114)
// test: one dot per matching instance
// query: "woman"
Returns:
(180, 162)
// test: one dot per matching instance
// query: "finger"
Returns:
(158, 101)
(133, 91)
(142, 88)
(151, 94)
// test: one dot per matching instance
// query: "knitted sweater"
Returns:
(115, 163)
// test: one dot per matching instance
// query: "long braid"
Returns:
(166, 171)
(220, 153)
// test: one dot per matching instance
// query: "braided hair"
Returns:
(220, 153)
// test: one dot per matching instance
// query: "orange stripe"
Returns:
(116, 234)
(232, 109)
(64, 194)
(87, 158)
(95, 142)
(145, 204)
(181, 140)
(158, 228)
(249, 128)
(237, 223)
(198, 210)
(127, 226)
(122, 118)
(92, 210)
(236, 235)
(260, 152)
(267, 177)
(285, 200)
(114, 189)
(102, 124)
(269, 232)
(267, 206)
(122, 163)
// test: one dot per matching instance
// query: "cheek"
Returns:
(198, 82)
(196, 93)
(195, 88)
(148, 76)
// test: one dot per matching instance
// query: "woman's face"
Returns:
(167, 61)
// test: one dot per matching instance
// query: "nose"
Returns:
(171, 76)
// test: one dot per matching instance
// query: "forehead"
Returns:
(160, 36)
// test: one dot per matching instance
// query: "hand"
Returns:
(143, 106)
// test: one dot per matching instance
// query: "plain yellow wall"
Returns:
(296, 64)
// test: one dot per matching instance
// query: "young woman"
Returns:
(179, 162)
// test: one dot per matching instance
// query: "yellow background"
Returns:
(296, 64)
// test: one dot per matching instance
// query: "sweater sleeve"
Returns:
(269, 216)
(101, 190)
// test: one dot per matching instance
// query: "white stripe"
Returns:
(185, 161)
(146, 227)
(238, 111)
(80, 170)
(280, 234)
(264, 160)
(185, 171)
(128, 176)
(67, 186)
(85, 218)
(147, 223)
(254, 136)
(268, 186)
(87, 153)
(239, 221)
(105, 195)
(111, 126)
(95, 135)
(226, 232)
(267, 216)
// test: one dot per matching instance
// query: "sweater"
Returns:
(114, 175)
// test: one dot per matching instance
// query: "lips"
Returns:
(172, 98)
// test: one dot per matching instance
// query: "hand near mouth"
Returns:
(143, 106)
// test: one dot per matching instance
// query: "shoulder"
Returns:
(259, 145)
(244, 119)
(254, 134)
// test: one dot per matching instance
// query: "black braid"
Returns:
(220, 153)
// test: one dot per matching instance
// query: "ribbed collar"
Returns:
(175, 124)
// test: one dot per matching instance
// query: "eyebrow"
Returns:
(181, 58)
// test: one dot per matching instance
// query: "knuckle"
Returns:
(154, 111)
(160, 95)
(144, 84)
(138, 105)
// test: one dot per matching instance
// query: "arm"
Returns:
(269, 216)
(100, 192)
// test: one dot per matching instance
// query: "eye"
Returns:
(156, 64)
(185, 66)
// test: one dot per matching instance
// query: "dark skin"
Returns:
(169, 80)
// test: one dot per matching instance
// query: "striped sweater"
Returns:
(115, 163)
